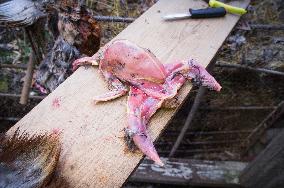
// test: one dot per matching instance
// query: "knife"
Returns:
(197, 13)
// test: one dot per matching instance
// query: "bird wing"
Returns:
(20, 13)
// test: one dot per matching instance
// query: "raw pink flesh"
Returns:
(201, 77)
(142, 103)
(148, 97)
(151, 83)
(123, 59)
(140, 108)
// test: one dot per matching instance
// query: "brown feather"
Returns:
(28, 161)
(16, 13)
(79, 34)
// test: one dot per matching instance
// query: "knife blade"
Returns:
(197, 13)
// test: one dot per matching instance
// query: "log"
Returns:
(267, 169)
(268, 122)
(191, 173)
(94, 153)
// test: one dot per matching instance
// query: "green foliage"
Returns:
(6, 57)
(3, 85)
(25, 50)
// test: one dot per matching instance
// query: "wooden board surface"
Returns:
(93, 150)
(190, 172)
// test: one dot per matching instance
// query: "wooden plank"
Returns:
(93, 150)
(267, 169)
(190, 172)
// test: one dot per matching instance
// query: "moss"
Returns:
(3, 85)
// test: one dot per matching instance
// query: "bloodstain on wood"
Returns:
(56, 102)
(103, 179)
(108, 138)
(56, 131)
(133, 150)
(72, 167)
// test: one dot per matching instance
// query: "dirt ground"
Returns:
(215, 133)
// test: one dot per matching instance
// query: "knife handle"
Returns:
(208, 12)
(229, 8)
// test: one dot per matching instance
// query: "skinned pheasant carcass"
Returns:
(151, 85)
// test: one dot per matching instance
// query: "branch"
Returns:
(15, 119)
(6, 47)
(12, 66)
(238, 108)
(11, 95)
(267, 26)
(28, 80)
(114, 19)
(267, 71)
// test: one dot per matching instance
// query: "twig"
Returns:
(194, 134)
(266, 27)
(37, 57)
(238, 108)
(267, 71)
(188, 120)
(114, 19)
(208, 133)
(15, 119)
(220, 132)
(204, 142)
(28, 80)
(6, 47)
(194, 151)
(12, 66)
(10, 95)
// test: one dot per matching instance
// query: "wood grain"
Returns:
(93, 149)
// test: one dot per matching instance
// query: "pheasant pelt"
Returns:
(56, 66)
(28, 161)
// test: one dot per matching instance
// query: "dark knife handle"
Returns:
(207, 12)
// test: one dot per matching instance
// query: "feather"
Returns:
(20, 13)
(28, 161)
